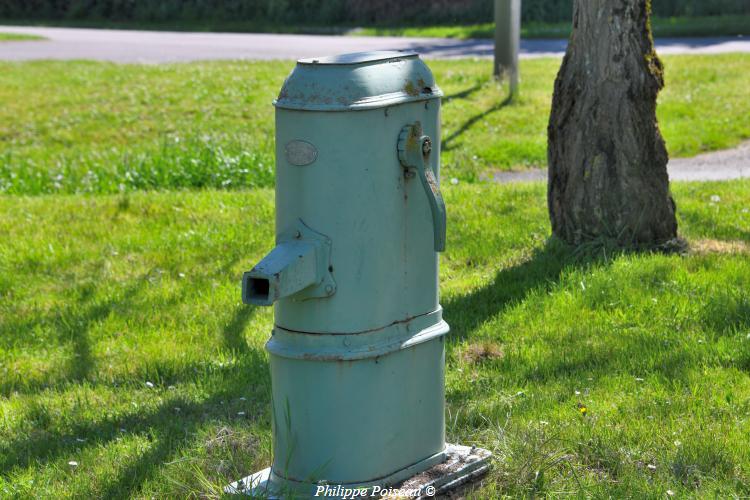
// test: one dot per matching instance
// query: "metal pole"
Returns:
(507, 41)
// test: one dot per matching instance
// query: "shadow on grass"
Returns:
(171, 425)
(708, 226)
(463, 94)
(592, 347)
(173, 432)
(81, 363)
(581, 360)
(233, 333)
(74, 323)
(448, 142)
(510, 286)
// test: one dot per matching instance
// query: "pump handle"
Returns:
(414, 149)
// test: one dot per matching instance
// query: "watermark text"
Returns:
(347, 493)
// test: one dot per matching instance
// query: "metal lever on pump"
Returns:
(414, 150)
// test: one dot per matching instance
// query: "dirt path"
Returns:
(717, 166)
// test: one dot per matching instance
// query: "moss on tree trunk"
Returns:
(607, 159)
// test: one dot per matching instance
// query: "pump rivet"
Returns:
(297, 235)
(329, 289)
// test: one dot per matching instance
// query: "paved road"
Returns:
(159, 46)
(717, 166)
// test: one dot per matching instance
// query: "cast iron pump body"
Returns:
(357, 350)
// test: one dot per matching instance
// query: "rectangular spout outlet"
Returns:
(288, 269)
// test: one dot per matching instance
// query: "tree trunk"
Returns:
(607, 159)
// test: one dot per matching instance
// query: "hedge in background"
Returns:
(321, 12)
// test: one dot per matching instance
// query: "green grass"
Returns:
(124, 347)
(101, 128)
(662, 27)
(18, 37)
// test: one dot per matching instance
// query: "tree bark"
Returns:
(607, 159)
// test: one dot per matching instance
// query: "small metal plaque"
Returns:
(301, 153)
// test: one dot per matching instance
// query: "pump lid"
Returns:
(358, 81)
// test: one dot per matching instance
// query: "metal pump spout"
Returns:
(299, 267)
(289, 268)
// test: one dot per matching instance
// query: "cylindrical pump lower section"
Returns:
(358, 421)
(357, 352)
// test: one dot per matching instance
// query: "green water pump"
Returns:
(357, 351)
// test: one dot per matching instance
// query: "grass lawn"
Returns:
(662, 27)
(96, 127)
(17, 37)
(128, 366)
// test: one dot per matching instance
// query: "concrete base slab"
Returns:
(460, 465)
(463, 464)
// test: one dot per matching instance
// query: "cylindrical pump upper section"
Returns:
(338, 125)
(359, 81)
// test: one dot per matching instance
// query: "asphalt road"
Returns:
(159, 46)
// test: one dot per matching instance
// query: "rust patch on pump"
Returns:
(411, 89)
